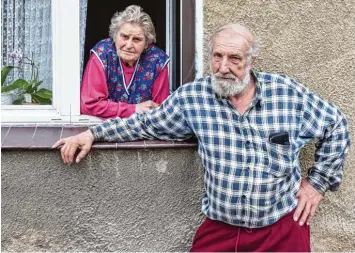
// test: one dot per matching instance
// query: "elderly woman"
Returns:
(126, 73)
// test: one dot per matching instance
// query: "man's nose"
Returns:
(224, 67)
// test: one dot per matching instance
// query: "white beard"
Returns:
(230, 87)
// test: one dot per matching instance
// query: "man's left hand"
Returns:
(308, 201)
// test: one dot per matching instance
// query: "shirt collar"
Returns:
(258, 84)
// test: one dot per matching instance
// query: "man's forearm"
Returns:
(327, 172)
(167, 122)
(115, 130)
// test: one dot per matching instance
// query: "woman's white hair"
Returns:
(133, 14)
(239, 29)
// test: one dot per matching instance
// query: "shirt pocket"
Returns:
(278, 159)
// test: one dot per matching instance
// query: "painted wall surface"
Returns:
(314, 42)
(115, 200)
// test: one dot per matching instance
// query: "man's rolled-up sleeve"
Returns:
(326, 122)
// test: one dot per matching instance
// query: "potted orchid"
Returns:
(26, 91)
(6, 91)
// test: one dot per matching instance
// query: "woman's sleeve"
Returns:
(94, 94)
(160, 89)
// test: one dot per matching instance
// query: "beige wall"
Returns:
(313, 41)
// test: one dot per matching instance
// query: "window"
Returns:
(63, 71)
(65, 65)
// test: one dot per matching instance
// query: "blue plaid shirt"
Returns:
(248, 180)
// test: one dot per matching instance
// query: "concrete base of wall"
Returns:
(127, 200)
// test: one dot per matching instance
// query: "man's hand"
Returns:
(82, 141)
(308, 201)
(146, 106)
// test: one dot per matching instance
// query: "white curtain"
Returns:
(83, 11)
(26, 27)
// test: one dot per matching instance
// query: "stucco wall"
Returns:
(313, 41)
(115, 200)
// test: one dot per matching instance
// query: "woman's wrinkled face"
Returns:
(130, 43)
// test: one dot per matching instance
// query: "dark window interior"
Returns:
(99, 14)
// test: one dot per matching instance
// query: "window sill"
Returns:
(40, 137)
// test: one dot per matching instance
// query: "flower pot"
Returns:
(28, 98)
(6, 98)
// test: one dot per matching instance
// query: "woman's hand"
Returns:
(145, 106)
(83, 141)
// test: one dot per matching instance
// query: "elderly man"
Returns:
(250, 128)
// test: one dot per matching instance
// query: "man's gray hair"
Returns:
(133, 14)
(254, 43)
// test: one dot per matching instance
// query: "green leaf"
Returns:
(4, 72)
(9, 88)
(36, 84)
(18, 101)
(42, 101)
(18, 84)
(30, 90)
(44, 93)
(22, 83)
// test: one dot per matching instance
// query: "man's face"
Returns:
(229, 64)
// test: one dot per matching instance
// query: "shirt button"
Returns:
(266, 160)
(243, 198)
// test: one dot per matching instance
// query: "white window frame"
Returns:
(65, 108)
(199, 38)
